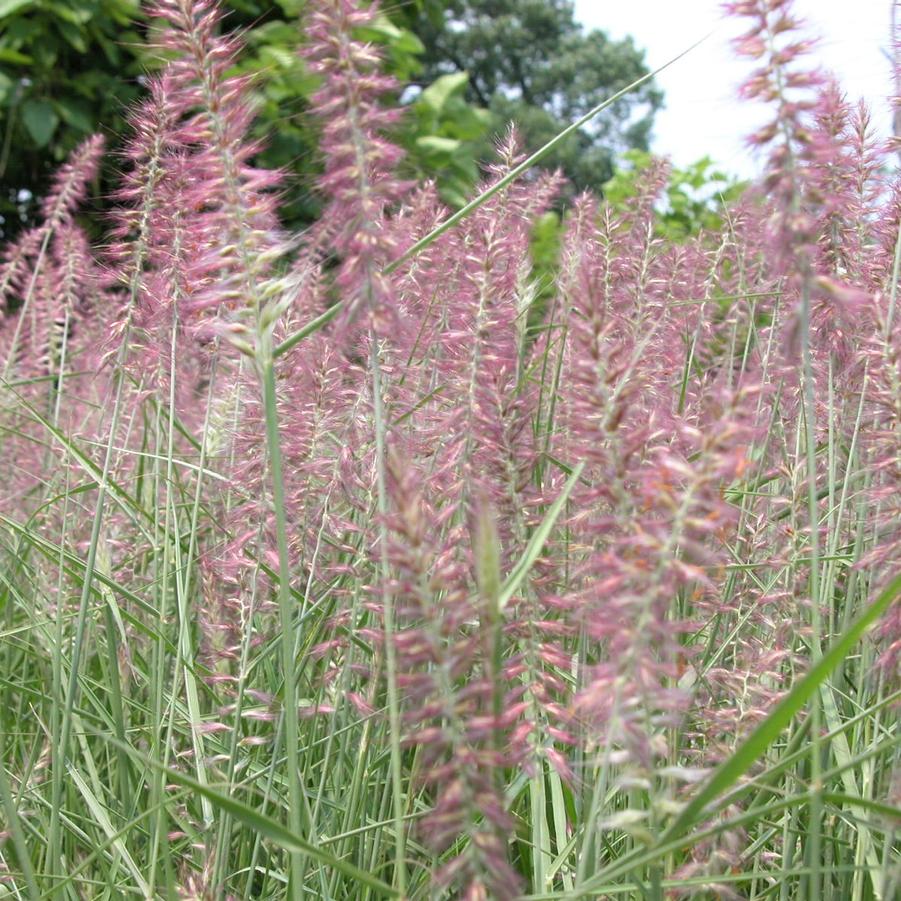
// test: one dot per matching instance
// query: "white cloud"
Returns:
(702, 115)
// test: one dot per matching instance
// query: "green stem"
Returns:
(286, 613)
(388, 614)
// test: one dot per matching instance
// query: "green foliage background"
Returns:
(531, 62)
(72, 67)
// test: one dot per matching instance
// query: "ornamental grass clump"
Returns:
(381, 561)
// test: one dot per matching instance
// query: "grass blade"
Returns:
(771, 728)
(263, 825)
(537, 540)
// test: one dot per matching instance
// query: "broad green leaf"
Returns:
(71, 12)
(74, 114)
(442, 89)
(8, 7)
(14, 57)
(453, 194)
(438, 146)
(385, 31)
(40, 120)
(292, 7)
(74, 36)
(278, 57)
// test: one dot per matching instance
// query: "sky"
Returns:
(702, 115)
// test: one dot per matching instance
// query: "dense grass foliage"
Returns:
(363, 563)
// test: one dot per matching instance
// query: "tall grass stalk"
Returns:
(384, 561)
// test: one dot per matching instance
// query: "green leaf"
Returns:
(435, 145)
(454, 192)
(537, 540)
(292, 7)
(409, 43)
(278, 57)
(261, 824)
(749, 752)
(400, 39)
(443, 89)
(8, 7)
(40, 120)
(14, 57)
(74, 114)
(772, 727)
(69, 12)
(74, 36)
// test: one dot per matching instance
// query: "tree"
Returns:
(65, 67)
(69, 68)
(529, 61)
(72, 67)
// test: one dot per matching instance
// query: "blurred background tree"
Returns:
(531, 62)
(66, 66)
(72, 67)
(695, 198)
